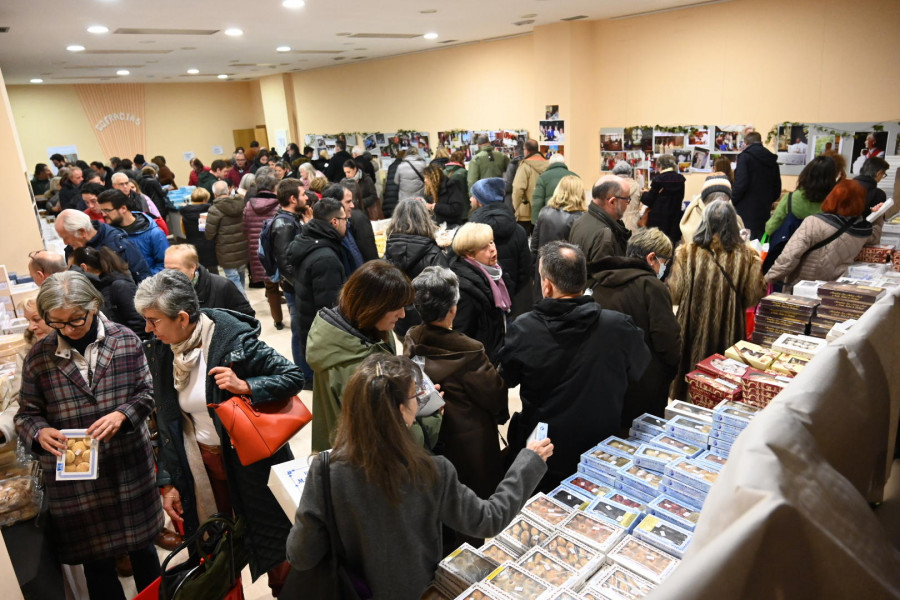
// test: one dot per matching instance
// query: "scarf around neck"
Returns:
(859, 228)
(495, 280)
(187, 353)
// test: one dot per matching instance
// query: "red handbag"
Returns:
(258, 432)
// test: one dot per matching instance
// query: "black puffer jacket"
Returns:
(511, 240)
(757, 185)
(411, 254)
(225, 225)
(391, 195)
(285, 229)
(271, 377)
(318, 273)
(215, 291)
(190, 224)
(118, 291)
(361, 227)
(476, 314)
(69, 196)
(151, 187)
(451, 204)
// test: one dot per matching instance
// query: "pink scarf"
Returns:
(498, 287)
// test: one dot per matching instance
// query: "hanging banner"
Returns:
(116, 114)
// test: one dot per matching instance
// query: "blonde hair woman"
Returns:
(555, 220)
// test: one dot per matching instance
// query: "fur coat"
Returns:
(711, 313)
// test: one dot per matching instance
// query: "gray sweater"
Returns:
(396, 548)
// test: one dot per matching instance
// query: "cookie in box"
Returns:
(752, 354)
(616, 583)
(613, 512)
(594, 532)
(689, 430)
(679, 407)
(571, 498)
(545, 510)
(667, 442)
(664, 535)
(675, 512)
(643, 559)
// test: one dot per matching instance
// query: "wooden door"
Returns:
(243, 137)
(261, 135)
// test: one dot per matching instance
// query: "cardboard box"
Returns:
(798, 345)
(643, 559)
(663, 534)
(721, 367)
(286, 482)
(689, 430)
(714, 386)
(692, 473)
(675, 512)
(686, 409)
(752, 354)
(797, 304)
(667, 442)
(856, 293)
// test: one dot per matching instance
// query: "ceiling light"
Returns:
(75, 48)
(283, 49)
(430, 36)
(123, 72)
(98, 29)
(37, 80)
(529, 16)
(429, 11)
(193, 71)
(234, 32)
(293, 3)
(223, 76)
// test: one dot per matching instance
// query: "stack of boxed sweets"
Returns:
(616, 528)
(21, 491)
(843, 302)
(782, 313)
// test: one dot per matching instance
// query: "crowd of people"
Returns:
(565, 290)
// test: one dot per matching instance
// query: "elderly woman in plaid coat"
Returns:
(91, 374)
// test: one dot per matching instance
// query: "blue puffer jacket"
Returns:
(119, 242)
(150, 240)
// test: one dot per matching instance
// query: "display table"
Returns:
(789, 516)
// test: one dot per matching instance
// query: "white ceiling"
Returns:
(40, 30)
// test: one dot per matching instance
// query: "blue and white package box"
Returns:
(692, 473)
(728, 429)
(570, 498)
(616, 445)
(694, 499)
(733, 418)
(626, 499)
(641, 436)
(584, 484)
(654, 458)
(600, 458)
(674, 511)
(641, 479)
(667, 442)
(681, 408)
(664, 535)
(689, 430)
(721, 434)
(546, 510)
(594, 532)
(636, 494)
(649, 424)
(615, 513)
(721, 445)
(709, 458)
(616, 583)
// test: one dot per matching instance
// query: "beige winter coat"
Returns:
(633, 212)
(523, 185)
(825, 264)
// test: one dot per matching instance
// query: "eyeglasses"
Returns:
(73, 323)
(419, 397)
(151, 323)
(623, 197)
(107, 211)
(341, 218)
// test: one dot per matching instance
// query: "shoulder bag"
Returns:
(782, 235)
(258, 432)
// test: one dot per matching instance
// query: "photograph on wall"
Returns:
(444, 139)
(551, 112)
(731, 156)
(637, 159)
(682, 159)
(70, 153)
(611, 142)
(638, 138)
(667, 143)
(791, 145)
(549, 150)
(897, 146)
(370, 142)
(379, 139)
(700, 160)
(826, 143)
(698, 137)
(729, 138)
(609, 159)
(553, 131)
(466, 138)
(867, 144)
(496, 138)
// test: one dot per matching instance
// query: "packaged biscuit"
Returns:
(702, 398)
(800, 304)
(594, 532)
(613, 512)
(481, 592)
(623, 498)
(775, 322)
(722, 367)
(725, 435)
(789, 364)
(523, 533)
(517, 583)
(689, 430)
(875, 253)
(645, 481)
(570, 497)
(718, 445)
(541, 564)
(763, 339)
(616, 583)
(667, 442)
(846, 291)
(727, 429)
(643, 559)
(675, 512)
(639, 494)
(606, 477)
(683, 494)
(653, 458)
(461, 568)
(80, 461)
(692, 473)
(664, 535)
(546, 510)
(635, 435)
(752, 354)
(616, 445)
(756, 381)
(841, 304)
(584, 559)
(686, 409)
(583, 483)
(799, 345)
(712, 460)
(498, 553)
(603, 458)
(649, 423)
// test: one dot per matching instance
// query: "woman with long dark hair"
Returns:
(816, 181)
(444, 197)
(110, 275)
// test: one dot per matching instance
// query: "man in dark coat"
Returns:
(77, 230)
(757, 184)
(315, 258)
(600, 231)
(213, 291)
(335, 171)
(573, 360)
(391, 192)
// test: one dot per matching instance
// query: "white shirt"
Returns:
(192, 400)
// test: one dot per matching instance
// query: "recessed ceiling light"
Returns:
(234, 32)
(223, 76)
(283, 49)
(293, 3)
(123, 72)
(342, 34)
(428, 11)
(98, 29)
(75, 48)
(37, 80)
(430, 36)
(529, 15)
(193, 71)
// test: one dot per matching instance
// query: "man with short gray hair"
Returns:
(573, 360)
(600, 231)
(77, 230)
(43, 263)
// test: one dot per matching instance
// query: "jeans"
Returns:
(238, 276)
(298, 345)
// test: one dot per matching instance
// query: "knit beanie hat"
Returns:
(715, 183)
(489, 190)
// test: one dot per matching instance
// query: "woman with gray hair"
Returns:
(91, 373)
(411, 247)
(201, 358)
(715, 278)
(665, 196)
(475, 393)
(633, 213)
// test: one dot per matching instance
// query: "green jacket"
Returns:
(483, 165)
(206, 180)
(546, 186)
(800, 206)
(334, 350)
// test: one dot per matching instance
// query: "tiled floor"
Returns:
(300, 445)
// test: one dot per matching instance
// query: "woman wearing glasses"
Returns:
(91, 374)
(202, 358)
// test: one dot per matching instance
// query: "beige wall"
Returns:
(19, 230)
(180, 117)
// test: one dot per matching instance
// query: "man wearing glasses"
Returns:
(77, 230)
(600, 231)
(141, 229)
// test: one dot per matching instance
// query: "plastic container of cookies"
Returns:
(518, 584)
(545, 510)
(540, 563)
(582, 558)
(461, 568)
(584, 484)
(636, 435)
(616, 445)
(607, 478)
(80, 460)
(654, 458)
(675, 512)
(714, 461)
(689, 430)
(664, 535)
(593, 532)
(612, 512)
(565, 595)
(641, 480)
(481, 592)
(643, 559)
(498, 552)
(616, 583)
(692, 473)
(649, 424)
(667, 442)
(575, 499)
(600, 458)
(20, 499)
(523, 534)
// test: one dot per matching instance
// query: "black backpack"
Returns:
(266, 250)
(778, 241)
